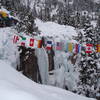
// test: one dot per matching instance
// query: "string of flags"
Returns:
(60, 46)
(27, 42)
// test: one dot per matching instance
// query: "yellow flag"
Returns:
(39, 43)
(70, 47)
(4, 14)
(98, 48)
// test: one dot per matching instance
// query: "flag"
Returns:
(58, 46)
(66, 47)
(39, 43)
(83, 48)
(4, 14)
(15, 39)
(49, 45)
(98, 48)
(89, 48)
(23, 40)
(35, 43)
(70, 47)
(31, 43)
(77, 48)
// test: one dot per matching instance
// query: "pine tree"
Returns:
(97, 36)
(27, 21)
(87, 84)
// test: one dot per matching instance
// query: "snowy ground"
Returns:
(14, 86)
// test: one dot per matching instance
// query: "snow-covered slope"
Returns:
(14, 86)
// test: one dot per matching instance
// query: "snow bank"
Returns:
(14, 86)
(56, 30)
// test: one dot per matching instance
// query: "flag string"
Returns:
(37, 42)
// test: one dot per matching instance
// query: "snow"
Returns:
(94, 23)
(43, 64)
(97, 1)
(8, 51)
(14, 86)
(28, 3)
(54, 29)
(63, 73)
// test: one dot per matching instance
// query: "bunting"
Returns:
(70, 47)
(15, 39)
(77, 48)
(89, 48)
(66, 47)
(31, 44)
(49, 45)
(98, 48)
(39, 43)
(23, 40)
(4, 14)
(58, 46)
(62, 46)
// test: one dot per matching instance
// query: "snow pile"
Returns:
(14, 86)
(43, 64)
(65, 74)
(8, 51)
(56, 30)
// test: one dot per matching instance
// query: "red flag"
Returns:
(15, 39)
(22, 44)
(89, 48)
(31, 42)
(77, 48)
